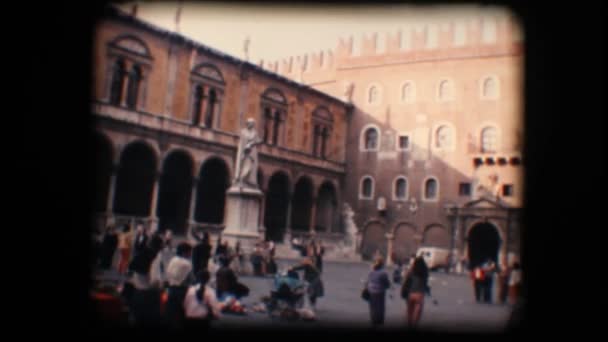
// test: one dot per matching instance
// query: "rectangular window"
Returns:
(404, 142)
(507, 190)
(464, 189)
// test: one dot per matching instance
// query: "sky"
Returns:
(277, 32)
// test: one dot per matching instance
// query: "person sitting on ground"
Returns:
(228, 287)
(200, 303)
(179, 277)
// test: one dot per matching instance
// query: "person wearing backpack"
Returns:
(478, 277)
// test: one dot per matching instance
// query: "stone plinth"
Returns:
(242, 217)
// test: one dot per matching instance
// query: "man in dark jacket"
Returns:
(141, 239)
(227, 282)
(201, 254)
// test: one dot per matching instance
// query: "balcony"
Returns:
(184, 128)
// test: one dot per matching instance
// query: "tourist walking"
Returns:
(416, 284)
(377, 284)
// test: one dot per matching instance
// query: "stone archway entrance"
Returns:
(135, 180)
(373, 240)
(404, 244)
(213, 182)
(175, 192)
(277, 198)
(302, 205)
(326, 208)
(483, 243)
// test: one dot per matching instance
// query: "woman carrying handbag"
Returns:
(377, 284)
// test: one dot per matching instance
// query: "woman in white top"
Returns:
(200, 303)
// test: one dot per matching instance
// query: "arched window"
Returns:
(274, 107)
(400, 191)
(431, 189)
(322, 126)
(210, 108)
(371, 139)
(407, 92)
(367, 188)
(133, 87)
(208, 86)
(490, 88)
(197, 105)
(118, 79)
(488, 140)
(130, 61)
(443, 137)
(445, 90)
(373, 95)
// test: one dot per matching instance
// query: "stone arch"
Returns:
(137, 172)
(484, 239)
(404, 243)
(209, 71)
(131, 43)
(213, 181)
(373, 239)
(275, 209)
(436, 235)
(175, 191)
(327, 208)
(301, 204)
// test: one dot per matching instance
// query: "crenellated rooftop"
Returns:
(476, 37)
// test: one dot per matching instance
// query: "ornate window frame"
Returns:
(378, 101)
(373, 188)
(498, 143)
(452, 90)
(322, 126)
(412, 85)
(423, 195)
(482, 83)
(134, 52)
(273, 101)
(210, 78)
(362, 145)
(434, 141)
(407, 189)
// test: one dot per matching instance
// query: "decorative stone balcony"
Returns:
(185, 128)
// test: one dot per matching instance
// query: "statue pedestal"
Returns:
(242, 217)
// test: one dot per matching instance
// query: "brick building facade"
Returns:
(434, 146)
(168, 113)
(421, 139)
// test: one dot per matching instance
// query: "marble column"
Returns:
(192, 208)
(112, 191)
(287, 235)
(153, 218)
(313, 215)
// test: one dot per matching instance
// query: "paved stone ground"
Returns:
(455, 308)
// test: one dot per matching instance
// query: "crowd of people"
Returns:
(185, 285)
(163, 284)
(413, 280)
(191, 285)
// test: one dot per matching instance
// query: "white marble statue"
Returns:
(351, 227)
(246, 174)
